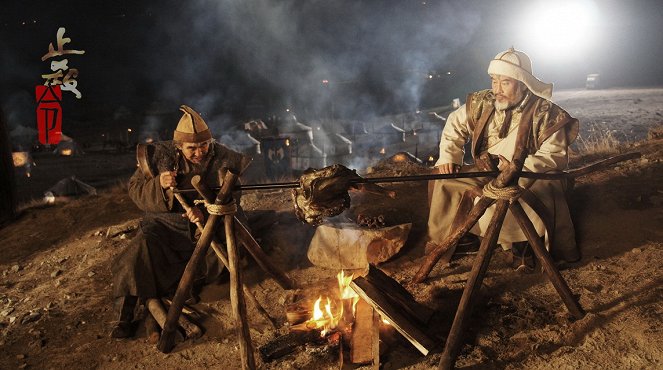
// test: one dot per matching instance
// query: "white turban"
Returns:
(517, 65)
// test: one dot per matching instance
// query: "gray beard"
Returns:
(502, 106)
(506, 105)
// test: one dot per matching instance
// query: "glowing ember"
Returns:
(66, 152)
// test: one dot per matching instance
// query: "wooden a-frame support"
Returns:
(233, 229)
(508, 177)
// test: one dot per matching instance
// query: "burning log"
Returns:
(397, 305)
(287, 344)
(298, 312)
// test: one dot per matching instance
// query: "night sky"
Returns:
(235, 59)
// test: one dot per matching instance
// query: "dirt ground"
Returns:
(55, 302)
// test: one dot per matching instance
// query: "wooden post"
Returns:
(237, 298)
(221, 254)
(472, 287)
(246, 239)
(244, 236)
(377, 321)
(509, 176)
(434, 256)
(166, 342)
(546, 261)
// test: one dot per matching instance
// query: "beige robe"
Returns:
(550, 156)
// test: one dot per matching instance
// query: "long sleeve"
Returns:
(148, 194)
(551, 156)
(454, 137)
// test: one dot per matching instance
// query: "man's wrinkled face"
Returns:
(195, 152)
(508, 91)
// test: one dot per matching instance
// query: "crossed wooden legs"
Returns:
(233, 228)
(454, 340)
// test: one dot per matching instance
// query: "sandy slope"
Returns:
(55, 296)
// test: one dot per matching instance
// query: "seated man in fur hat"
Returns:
(490, 119)
(154, 262)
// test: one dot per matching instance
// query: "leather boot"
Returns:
(523, 259)
(124, 308)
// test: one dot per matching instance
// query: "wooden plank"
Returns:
(396, 315)
(361, 342)
(397, 293)
(237, 298)
(377, 320)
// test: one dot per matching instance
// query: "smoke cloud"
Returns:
(375, 56)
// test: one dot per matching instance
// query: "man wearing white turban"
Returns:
(490, 118)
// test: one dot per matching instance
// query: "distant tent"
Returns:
(67, 147)
(255, 125)
(70, 186)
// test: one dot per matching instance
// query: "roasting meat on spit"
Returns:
(324, 192)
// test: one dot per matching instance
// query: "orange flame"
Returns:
(322, 319)
(325, 318)
(346, 291)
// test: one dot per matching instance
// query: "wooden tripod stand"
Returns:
(504, 192)
(224, 208)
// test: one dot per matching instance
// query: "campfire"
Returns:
(352, 321)
(324, 318)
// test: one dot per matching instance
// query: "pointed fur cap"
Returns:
(192, 127)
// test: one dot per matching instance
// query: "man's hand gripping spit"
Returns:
(167, 181)
(446, 168)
